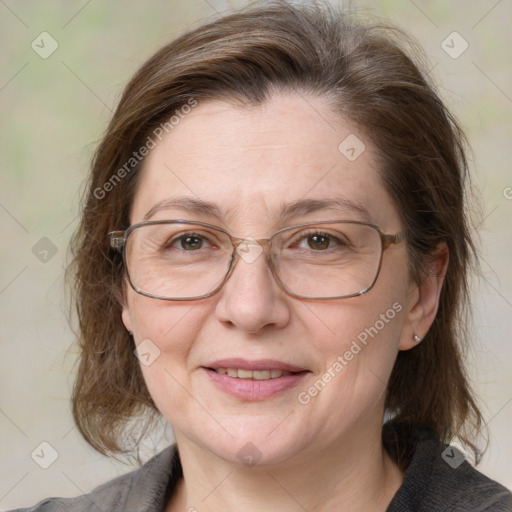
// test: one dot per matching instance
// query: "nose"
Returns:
(251, 299)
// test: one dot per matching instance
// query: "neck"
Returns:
(354, 474)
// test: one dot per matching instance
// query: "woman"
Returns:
(273, 255)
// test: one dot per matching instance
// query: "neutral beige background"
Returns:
(53, 112)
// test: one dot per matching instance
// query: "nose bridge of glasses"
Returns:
(248, 241)
(249, 248)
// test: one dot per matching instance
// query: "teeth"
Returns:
(259, 374)
(250, 374)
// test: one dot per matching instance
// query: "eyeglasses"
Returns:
(183, 260)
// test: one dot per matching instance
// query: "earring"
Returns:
(417, 339)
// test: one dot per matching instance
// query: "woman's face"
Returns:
(250, 163)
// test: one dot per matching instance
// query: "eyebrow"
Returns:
(296, 208)
(340, 203)
(189, 204)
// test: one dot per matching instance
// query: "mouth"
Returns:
(239, 373)
(254, 380)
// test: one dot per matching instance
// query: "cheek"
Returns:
(355, 324)
(358, 350)
(166, 324)
(358, 338)
(164, 333)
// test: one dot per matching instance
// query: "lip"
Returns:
(260, 364)
(252, 389)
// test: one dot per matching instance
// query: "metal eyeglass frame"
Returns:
(117, 241)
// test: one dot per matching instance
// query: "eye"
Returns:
(187, 242)
(319, 241)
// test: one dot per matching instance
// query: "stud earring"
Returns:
(417, 339)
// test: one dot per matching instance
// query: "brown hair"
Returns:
(367, 76)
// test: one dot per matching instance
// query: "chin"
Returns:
(250, 446)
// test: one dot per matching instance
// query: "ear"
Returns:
(424, 299)
(125, 315)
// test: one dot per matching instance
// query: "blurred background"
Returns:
(63, 65)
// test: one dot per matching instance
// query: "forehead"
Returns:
(248, 166)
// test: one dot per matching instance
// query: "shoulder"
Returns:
(438, 478)
(141, 490)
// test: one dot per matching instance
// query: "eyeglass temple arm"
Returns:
(117, 239)
(388, 239)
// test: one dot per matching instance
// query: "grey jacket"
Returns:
(436, 480)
